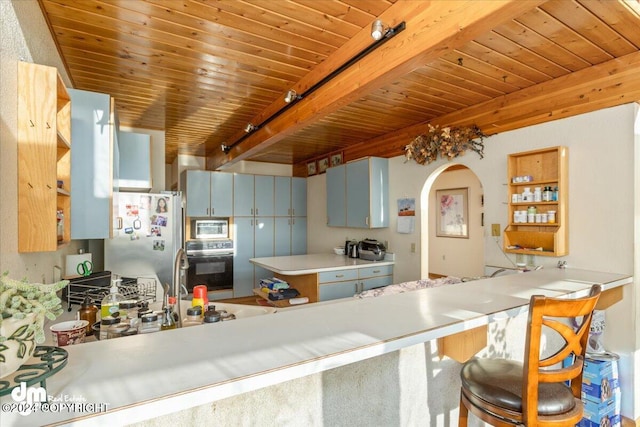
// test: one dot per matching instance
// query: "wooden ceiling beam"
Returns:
(433, 28)
(609, 84)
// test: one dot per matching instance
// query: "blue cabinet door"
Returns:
(221, 194)
(242, 268)
(298, 235)
(135, 161)
(336, 196)
(358, 194)
(337, 290)
(92, 131)
(282, 244)
(379, 192)
(298, 196)
(282, 195)
(198, 189)
(264, 199)
(243, 189)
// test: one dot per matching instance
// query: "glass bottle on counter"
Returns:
(88, 311)
(193, 318)
(168, 322)
(149, 323)
(111, 302)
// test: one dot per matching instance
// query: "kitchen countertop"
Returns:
(313, 263)
(150, 375)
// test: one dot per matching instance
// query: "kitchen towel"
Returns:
(72, 261)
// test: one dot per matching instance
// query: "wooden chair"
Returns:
(505, 392)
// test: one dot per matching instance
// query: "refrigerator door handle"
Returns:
(119, 223)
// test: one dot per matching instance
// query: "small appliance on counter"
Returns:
(351, 248)
(371, 250)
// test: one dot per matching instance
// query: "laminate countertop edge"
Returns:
(152, 375)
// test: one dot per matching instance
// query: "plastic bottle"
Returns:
(555, 194)
(111, 302)
(537, 194)
(527, 195)
(88, 311)
(200, 297)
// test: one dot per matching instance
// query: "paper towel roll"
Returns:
(72, 261)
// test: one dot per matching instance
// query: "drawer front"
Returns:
(376, 282)
(331, 291)
(381, 270)
(337, 275)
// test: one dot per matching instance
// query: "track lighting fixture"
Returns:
(291, 96)
(225, 148)
(378, 29)
(250, 127)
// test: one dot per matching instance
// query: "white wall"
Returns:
(603, 179)
(452, 256)
(24, 36)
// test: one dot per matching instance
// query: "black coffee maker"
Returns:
(351, 249)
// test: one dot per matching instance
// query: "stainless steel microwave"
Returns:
(215, 228)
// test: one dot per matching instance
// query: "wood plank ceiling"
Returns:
(202, 69)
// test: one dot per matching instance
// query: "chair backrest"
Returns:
(545, 311)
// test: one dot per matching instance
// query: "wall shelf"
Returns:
(548, 168)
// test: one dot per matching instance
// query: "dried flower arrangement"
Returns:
(448, 142)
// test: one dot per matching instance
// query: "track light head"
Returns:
(225, 148)
(378, 29)
(291, 96)
(250, 127)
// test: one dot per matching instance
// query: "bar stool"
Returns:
(505, 392)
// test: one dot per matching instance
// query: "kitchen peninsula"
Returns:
(214, 373)
(323, 277)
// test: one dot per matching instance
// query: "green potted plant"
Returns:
(24, 306)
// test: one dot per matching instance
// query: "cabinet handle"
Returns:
(289, 211)
(257, 212)
(293, 212)
(251, 211)
(293, 221)
(213, 211)
(366, 220)
(339, 275)
(376, 271)
(119, 223)
(31, 124)
(48, 125)
(207, 211)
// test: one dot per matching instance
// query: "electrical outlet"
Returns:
(495, 230)
(413, 248)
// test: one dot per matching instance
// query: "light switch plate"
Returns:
(495, 230)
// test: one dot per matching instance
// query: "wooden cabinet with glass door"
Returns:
(538, 221)
(44, 159)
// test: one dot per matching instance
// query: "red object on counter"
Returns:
(200, 293)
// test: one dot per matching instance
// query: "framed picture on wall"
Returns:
(452, 217)
(336, 159)
(323, 165)
(311, 168)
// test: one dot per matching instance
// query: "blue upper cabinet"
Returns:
(264, 195)
(290, 196)
(243, 190)
(282, 196)
(337, 196)
(208, 194)
(298, 196)
(221, 194)
(358, 194)
(92, 164)
(135, 161)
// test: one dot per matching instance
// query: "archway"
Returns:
(460, 256)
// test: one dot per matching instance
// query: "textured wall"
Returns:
(409, 387)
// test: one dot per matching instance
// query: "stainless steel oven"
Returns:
(210, 264)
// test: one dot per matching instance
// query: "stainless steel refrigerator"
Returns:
(146, 237)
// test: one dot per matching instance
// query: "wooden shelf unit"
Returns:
(547, 167)
(44, 158)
